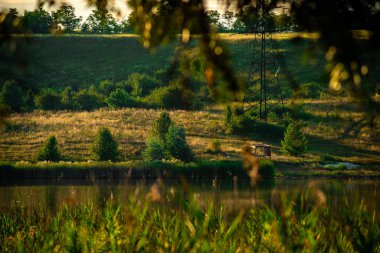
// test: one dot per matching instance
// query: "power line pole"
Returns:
(263, 91)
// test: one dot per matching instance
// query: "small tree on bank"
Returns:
(104, 146)
(50, 151)
(295, 142)
(167, 141)
(177, 145)
(161, 126)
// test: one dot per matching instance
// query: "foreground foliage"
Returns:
(142, 226)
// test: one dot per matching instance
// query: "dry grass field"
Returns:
(326, 124)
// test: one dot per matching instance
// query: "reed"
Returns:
(294, 225)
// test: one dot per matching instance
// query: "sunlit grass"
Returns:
(326, 121)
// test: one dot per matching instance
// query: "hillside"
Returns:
(326, 123)
(81, 60)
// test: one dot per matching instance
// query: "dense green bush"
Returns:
(104, 146)
(141, 84)
(168, 97)
(48, 100)
(88, 100)
(50, 151)
(295, 142)
(119, 98)
(177, 145)
(155, 150)
(11, 96)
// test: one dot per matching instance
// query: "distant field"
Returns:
(326, 121)
(82, 60)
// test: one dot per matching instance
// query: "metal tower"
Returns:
(263, 91)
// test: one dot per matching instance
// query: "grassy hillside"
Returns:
(327, 121)
(82, 60)
(79, 61)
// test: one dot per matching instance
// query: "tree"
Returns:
(87, 100)
(167, 141)
(67, 98)
(104, 146)
(176, 144)
(64, 18)
(119, 98)
(100, 21)
(11, 96)
(50, 151)
(48, 100)
(125, 26)
(295, 142)
(38, 21)
(228, 18)
(161, 126)
(213, 18)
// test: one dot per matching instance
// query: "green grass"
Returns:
(222, 169)
(143, 226)
(131, 169)
(82, 60)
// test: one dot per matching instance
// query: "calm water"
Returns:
(232, 195)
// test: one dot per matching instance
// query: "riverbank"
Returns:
(223, 169)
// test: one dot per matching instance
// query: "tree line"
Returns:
(101, 21)
(65, 20)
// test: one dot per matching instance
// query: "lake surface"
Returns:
(230, 194)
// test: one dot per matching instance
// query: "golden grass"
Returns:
(75, 131)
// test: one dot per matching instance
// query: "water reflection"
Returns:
(231, 194)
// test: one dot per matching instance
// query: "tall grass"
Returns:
(298, 225)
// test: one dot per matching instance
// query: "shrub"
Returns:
(215, 146)
(119, 98)
(48, 100)
(168, 97)
(106, 87)
(11, 96)
(49, 151)
(267, 169)
(234, 121)
(295, 141)
(104, 146)
(141, 84)
(307, 90)
(177, 145)
(67, 98)
(87, 100)
(161, 126)
(155, 150)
